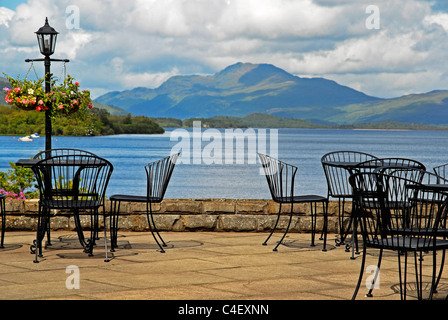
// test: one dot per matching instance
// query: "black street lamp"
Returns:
(46, 38)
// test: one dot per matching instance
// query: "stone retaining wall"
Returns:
(186, 215)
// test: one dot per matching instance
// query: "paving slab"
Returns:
(197, 266)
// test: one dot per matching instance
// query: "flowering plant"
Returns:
(63, 99)
(11, 195)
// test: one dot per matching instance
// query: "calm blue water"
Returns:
(302, 147)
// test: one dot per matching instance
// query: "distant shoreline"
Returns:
(387, 130)
(257, 120)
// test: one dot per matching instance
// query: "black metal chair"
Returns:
(158, 174)
(58, 152)
(338, 166)
(403, 216)
(281, 181)
(3, 216)
(75, 183)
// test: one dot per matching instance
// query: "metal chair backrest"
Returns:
(442, 170)
(73, 180)
(280, 177)
(337, 174)
(61, 152)
(158, 175)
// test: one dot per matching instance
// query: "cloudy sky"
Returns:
(384, 48)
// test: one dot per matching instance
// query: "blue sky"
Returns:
(399, 48)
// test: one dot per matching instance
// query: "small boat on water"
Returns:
(34, 136)
(26, 138)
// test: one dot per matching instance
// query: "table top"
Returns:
(430, 186)
(80, 162)
(364, 164)
(26, 162)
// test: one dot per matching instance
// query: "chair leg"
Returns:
(48, 233)
(342, 231)
(148, 216)
(418, 275)
(79, 231)
(3, 214)
(403, 282)
(105, 237)
(361, 272)
(313, 222)
(275, 225)
(93, 232)
(155, 227)
(287, 229)
(377, 272)
(354, 240)
(442, 263)
(434, 281)
(114, 213)
(325, 227)
(40, 233)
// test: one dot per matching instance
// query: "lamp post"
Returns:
(46, 38)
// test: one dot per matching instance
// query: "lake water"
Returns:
(301, 147)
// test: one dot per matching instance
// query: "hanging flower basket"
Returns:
(63, 99)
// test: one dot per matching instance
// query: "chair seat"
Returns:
(131, 198)
(71, 204)
(301, 199)
(408, 244)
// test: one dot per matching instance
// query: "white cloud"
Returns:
(6, 16)
(121, 44)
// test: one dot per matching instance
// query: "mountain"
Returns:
(425, 108)
(239, 90)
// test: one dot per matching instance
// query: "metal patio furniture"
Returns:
(403, 216)
(3, 216)
(58, 152)
(158, 175)
(74, 184)
(281, 177)
(337, 166)
(406, 168)
(413, 176)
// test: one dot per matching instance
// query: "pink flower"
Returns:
(60, 106)
(41, 102)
